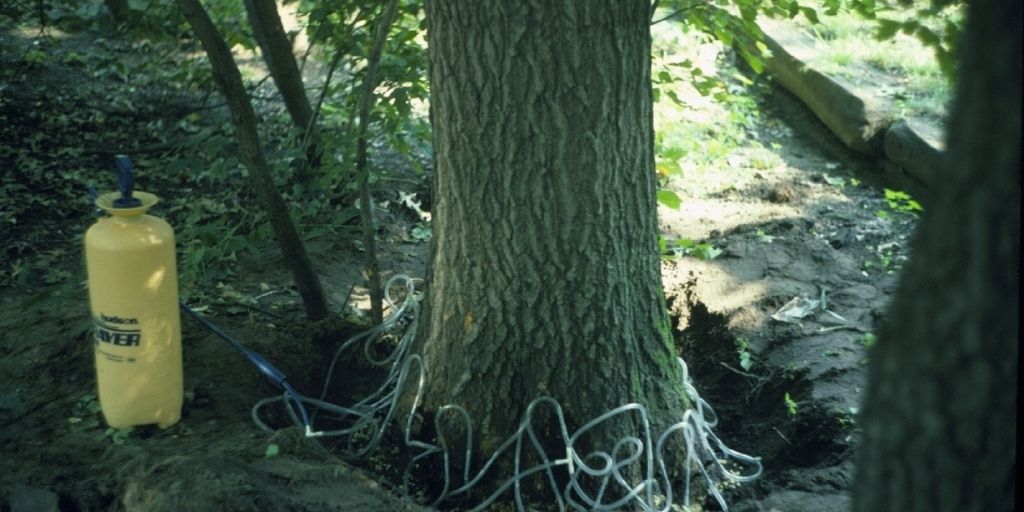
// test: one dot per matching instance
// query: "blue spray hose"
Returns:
(268, 370)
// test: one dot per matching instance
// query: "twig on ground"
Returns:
(777, 431)
(741, 372)
(837, 328)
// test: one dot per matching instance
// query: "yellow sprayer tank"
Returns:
(133, 293)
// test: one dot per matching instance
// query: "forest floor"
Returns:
(789, 214)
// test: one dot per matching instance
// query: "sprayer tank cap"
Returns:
(109, 202)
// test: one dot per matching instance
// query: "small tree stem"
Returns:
(365, 199)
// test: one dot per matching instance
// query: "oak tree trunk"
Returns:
(228, 78)
(277, 53)
(940, 415)
(545, 273)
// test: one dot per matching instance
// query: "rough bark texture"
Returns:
(229, 80)
(941, 409)
(545, 273)
(277, 53)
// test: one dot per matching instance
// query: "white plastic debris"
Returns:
(797, 309)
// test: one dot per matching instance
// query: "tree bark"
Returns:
(277, 53)
(229, 80)
(940, 413)
(545, 276)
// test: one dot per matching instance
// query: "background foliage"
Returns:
(175, 128)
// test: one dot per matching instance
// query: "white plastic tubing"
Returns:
(706, 454)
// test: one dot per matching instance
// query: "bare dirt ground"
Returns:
(796, 230)
(797, 220)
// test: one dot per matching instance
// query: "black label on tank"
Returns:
(117, 331)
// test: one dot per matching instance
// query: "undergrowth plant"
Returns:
(792, 406)
(188, 157)
(691, 69)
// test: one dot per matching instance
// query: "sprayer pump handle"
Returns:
(125, 182)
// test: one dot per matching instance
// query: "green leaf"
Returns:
(669, 198)
(868, 340)
(73, 58)
(272, 451)
(705, 87)
(739, 76)
(754, 62)
(672, 153)
(791, 405)
(674, 97)
(668, 167)
(36, 57)
(810, 14)
(865, 8)
(794, 9)
(764, 51)
(748, 12)
(928, 38)
(118, 436)
(706, 252)
(902, 202)
(421, 232)
(950, 33)
(910, 26)
(886, 29)
(745, 361)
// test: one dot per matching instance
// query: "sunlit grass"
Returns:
(846, 42)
